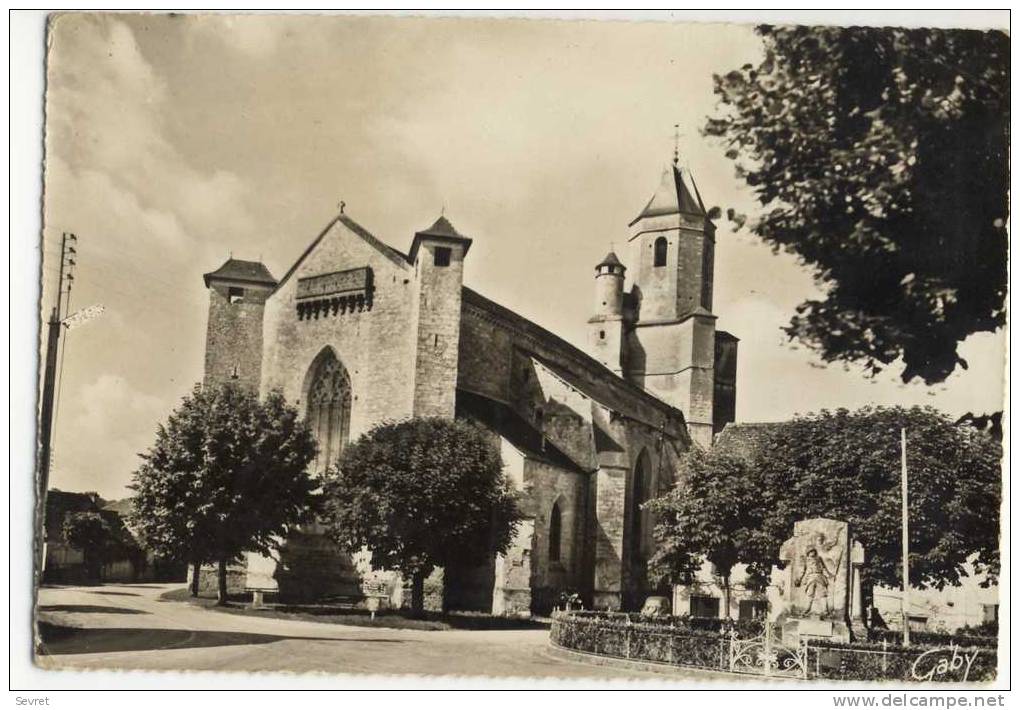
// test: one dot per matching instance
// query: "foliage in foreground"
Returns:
(421, 493)
(226, 475)
(843, 465)
(880, 157)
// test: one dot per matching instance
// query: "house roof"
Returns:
(241, 270)
(501, 419)
(746, 439)
(674, 196)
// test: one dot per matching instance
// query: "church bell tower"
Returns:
(670, 345)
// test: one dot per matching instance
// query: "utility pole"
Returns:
(68, 253)
(905, 600)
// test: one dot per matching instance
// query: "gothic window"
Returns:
(555, 533)
(329, 409)
(641, 543)
(661, 247)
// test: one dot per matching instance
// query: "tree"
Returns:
(226, 475)
(713, 513)
(421, 493)
(846, 465)
(880, 158)
(91, 534)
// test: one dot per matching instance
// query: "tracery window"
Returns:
(329, 409)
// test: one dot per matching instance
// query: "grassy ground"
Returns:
(395, 619)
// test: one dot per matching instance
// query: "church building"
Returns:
(356, 333)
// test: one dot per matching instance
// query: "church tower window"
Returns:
(661, 248)
(441, 256)
(329, 408)
(555, 533)
(235, 294)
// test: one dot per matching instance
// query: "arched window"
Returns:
(555, 533)
(641, 519)
(329, 408)
(661, 247)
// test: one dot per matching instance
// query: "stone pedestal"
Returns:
(794, 630)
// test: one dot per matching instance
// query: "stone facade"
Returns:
(587, 437)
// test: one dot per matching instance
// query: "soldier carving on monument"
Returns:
(821, 562)
(815, 579)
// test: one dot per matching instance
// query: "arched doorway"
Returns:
(328, 407)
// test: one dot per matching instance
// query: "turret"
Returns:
(606, 326)
(438, 257)
(233, 346)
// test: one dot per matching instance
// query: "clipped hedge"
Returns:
(931, 638)
(947, 663)
(686, 642)
(615, 635)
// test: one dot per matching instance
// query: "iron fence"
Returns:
(743, 650)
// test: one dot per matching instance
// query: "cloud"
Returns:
(105, 426)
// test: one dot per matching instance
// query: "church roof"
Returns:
(673, 196)
(240, 270)
(501, 419)
(587, 375)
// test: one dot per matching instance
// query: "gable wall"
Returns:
(375, 345)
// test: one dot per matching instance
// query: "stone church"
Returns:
(356, 333)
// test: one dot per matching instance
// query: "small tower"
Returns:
(233, 345)
(605, 337)
(438, 257)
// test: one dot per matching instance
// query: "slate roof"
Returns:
(503, 420)
(673, 196)
(612, 397)
(746, 439)
(442, 228)
(611, 259)
(240, 270)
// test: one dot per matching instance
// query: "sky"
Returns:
(174, 142)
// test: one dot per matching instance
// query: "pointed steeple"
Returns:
(673, 196)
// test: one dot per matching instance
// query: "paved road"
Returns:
(128, 626)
